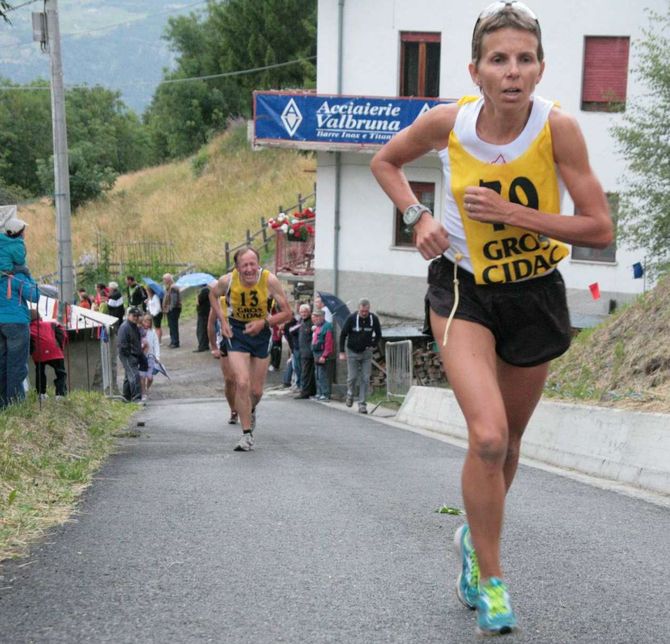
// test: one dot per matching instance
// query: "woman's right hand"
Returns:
(430, 237)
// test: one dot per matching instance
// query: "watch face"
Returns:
(412, 214)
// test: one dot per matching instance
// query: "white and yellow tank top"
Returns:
(248, 303)
(522, 172)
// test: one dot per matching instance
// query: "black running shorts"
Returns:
(529, 320)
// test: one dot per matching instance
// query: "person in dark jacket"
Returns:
(115, 304)
(361, 333)
(135, 293)
(172, 309)
(47, 340)
(129, 344)
(202, 308)
(307, 379)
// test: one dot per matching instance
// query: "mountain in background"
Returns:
(113, 43)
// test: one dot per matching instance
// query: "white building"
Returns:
(391, 48)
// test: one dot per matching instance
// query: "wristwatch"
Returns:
(412, 215)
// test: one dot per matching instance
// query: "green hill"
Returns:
(625, 361)
(194, 206)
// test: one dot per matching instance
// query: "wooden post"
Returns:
(264, 233)
(299, 202)
(227, 252)
(248, 237)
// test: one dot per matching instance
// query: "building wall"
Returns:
(371, 68)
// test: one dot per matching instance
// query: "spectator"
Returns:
(135, 293)
(115, 302)
(155, 308)
(129, 345)
(12, 244)
(291, 333)
(202, 308)
(85, 302)
(172, 309)
(318, 304)
(47, 341)
(323, 348)
(152, 351)
(276, 347)
(101, 295)
(307, 382)
(361, 333)
(15, 293)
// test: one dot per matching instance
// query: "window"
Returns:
(605, 75)
(425, 193)
(419, 64)
(608, 254)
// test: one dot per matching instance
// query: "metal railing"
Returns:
(398, 368)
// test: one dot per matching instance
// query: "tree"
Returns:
(234, 35)
(89, 178)
(644, 140)
(4, 8)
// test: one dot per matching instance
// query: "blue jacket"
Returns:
(12, 252)
(14, 310)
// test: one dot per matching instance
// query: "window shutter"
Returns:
(605, 69)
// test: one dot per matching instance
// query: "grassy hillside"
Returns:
(198, 203)
(625, 360)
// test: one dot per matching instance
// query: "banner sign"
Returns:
(333, 121)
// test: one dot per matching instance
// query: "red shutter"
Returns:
(605, 69)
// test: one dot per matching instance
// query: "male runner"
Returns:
(248, 287)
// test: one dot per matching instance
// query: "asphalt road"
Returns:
(327, 532)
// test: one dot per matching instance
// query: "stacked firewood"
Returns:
(426, 366)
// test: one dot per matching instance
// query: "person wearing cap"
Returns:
(12, 243)
(129, 346)
(496, 301)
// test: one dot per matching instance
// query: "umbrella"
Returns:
(194, 279)
(159, 368)
(155, 287)
(48, 290)
(336, 306)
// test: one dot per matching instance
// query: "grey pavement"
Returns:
(327, 532)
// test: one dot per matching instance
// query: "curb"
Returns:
(631, 448)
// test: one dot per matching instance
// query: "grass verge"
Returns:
(48, 456)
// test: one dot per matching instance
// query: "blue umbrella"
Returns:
(336, 306)
(155, 287)
(194, 279)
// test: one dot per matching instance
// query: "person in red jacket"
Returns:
(47, 340)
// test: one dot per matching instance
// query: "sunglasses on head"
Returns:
(500, 5)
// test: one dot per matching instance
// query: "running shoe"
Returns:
(246, 442)
(233, 418)
(467, 584)
(362, 408)
(349, 401)
(494, 611)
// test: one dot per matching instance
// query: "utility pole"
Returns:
(61, 167)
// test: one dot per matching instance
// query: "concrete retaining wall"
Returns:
(628, 447)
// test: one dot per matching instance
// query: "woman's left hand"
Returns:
(486, 205)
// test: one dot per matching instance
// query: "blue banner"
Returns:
(336, 120)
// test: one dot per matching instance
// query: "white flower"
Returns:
(284, 228)
(281, 216)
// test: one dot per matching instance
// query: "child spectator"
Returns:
(152, 351)
(84, 300)
(47, 340)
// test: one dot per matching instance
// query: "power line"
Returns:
(18, 6)
(173, 80)
(130, 21)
